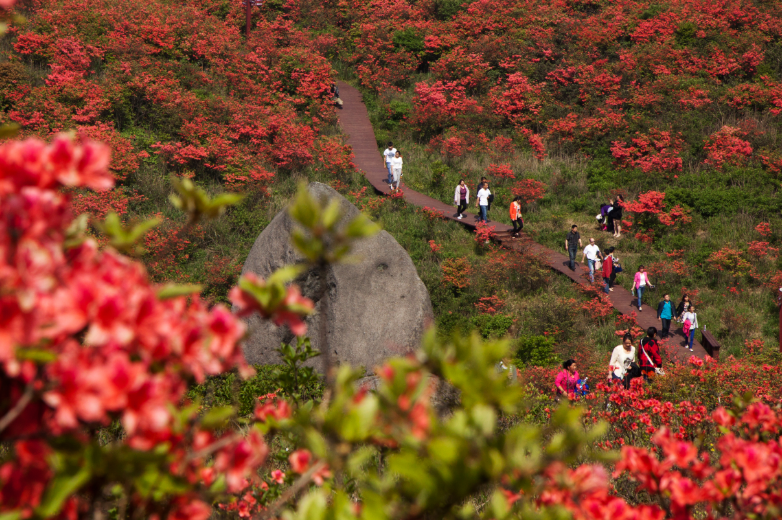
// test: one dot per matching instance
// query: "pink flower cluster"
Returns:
(86, 340)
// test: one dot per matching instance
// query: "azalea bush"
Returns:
(97, 361)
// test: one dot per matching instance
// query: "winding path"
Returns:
(355, 122)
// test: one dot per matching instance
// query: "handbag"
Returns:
(598, 265)
(686, 327)
(617, 268)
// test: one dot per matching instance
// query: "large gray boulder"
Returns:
(377, 306)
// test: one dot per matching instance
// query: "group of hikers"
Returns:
(627, 362)
(392, 159)
(623, 366)
(607, 263)
(610, 216)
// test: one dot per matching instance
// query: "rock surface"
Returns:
(378, 307)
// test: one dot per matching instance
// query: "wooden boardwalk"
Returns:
(354, 120)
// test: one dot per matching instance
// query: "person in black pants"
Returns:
(573, 244)
(666, 311)
(461, 198)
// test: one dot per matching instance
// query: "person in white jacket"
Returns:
(622, 358)
(396, 170)
(693, 318)
(461, 197)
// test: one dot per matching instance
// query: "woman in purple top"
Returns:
(566, 380)
(460, 198)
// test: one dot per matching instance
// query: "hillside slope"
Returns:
(675, 105)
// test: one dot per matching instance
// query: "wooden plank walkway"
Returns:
(354, 120)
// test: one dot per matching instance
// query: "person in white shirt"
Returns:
(592, 254)
(388, 154)
(693, 318)
(482, 200)
(622, 358)
(396, 170)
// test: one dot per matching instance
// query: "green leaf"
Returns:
(317, 443)
(172, 290)
(312, 506)
(36, 355)
(194, 201)
(285, 274)
(124, 239)
(359, 458)
(331, 214)
(357, 424)
(60, 488)
(444, 449)
(361, 227)
(217, 417)
(304, 209)
(485, 418)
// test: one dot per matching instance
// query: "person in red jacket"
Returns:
(649, 354)
(608, 268)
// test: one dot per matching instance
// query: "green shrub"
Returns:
(536, 351)
(492, 325)
(409, 40)
(440, 172)
(395, 113)
(291, 380)
(447, 9)
(685, 34)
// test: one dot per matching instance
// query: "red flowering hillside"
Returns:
(174, 89)
(584, 100)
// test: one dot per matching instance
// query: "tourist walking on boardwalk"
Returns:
(572, 244)
(461, 197)
(622, 360)
(515, 217)
(649, 356)
(396, 171)
(388, 154)
(483, 181)
(615, 216)
(640, 283)
(683, 307)
(566, 380)
(616, 268)
(690, 319)
(592, 255)
(482, 200)
(608, 269)
(665, 313)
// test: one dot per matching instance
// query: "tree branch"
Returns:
(19, 407)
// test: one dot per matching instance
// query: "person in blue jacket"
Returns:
(666, 311)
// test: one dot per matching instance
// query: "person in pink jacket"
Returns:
(640, 283)
(566, 380)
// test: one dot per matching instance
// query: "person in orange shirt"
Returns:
(515, 217)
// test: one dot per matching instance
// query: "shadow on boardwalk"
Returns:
(354, 121)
